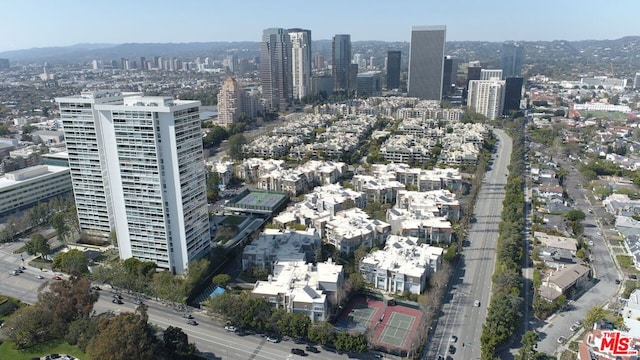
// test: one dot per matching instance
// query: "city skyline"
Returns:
(38, 24)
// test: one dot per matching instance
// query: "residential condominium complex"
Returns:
(150, 155)
(426, 62)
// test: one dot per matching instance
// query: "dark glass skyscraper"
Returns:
(275, 68)
(426, 62)
(512, 57)
(341, 61)
(393, 69)
(512, 94)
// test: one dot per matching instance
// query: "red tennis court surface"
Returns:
(393, 327)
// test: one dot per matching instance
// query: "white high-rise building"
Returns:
(487, 97)
(86, 160)
(636, 81)
(488, 74)
(147, 153)
(300, 62)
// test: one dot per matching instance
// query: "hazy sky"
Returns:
(42, 23)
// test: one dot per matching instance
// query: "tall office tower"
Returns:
(124, 63)
(82, 132)
(512, 94)
(229, 106)
(4, 64)
(155, 171)
(318, 61)
(473, 71)
(353, 77)
(275, 68)
(341, 61)
(449, 75)
(245, 66)
(488, 74)
(426, 62)
(96, 65)
(157, 62)
(372, 60)
(512, 58)
(300, 62)
(636, 81)
(487, 97)
(393, 69)
(143, 63)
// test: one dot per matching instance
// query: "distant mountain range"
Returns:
(623, 55)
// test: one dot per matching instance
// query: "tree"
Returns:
(38, 245)
(125, 336)
(575, 215)
(221, 280)
(73, 262)
(68, 300)
(169, 287)
(321, 332)
(29, 326)
(358, 255)
(593, 316)
(176, 341)
(57, 221)
(236, 142)
(529, 344)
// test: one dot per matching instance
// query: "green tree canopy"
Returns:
(72, 262)
(236, 142)
(221, 280)
(125, 336)
(38, 245)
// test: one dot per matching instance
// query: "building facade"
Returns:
(300, 62)
(23, 188)
(426, 62)
(155, 170)
(512, 94)
(487, 97)
(275, 68)
(341, 61)
(512, 58)
(87, 161)
(393, 69)
(229, 102)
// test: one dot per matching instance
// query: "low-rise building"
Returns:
(403, 265)
(352, 228)
(557, 242)
(299, 287)
(23, 188)
(274, 245)
(563, 279)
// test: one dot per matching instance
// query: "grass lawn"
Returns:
(8, 353)
(626, 263)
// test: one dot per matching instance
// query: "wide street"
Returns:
(472, 278)
(209, 336)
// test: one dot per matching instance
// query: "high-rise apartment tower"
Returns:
(426, 62)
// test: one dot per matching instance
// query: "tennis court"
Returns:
(255, 198)
(397, 329)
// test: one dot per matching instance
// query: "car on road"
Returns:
(137, 302)
(298, 352)
(476, 303)
(312, 349)
(273, 339)
(96, 288)
(561, 340)
(617, 281)
(117, 301)
(452, 349)
(14, 273)
(230, 328)
(56, 277)
(192, 322)
(453, 339)
(38, 276)
(590, 242)
(187, 316)
(117, 296)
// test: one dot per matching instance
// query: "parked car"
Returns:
(117, 301)
(298, 352)
(452, 349)
(230, 328)
(273, 339)
(56, 277)
(137, 302)
(454, 339)
(312, 349)
(38, 276)
(561, 340)
(617, 281)
(476, 303)
(574, 327)
(14, 273)
(117, 296)
(192, 322)
(96, 288)
(187, 316)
